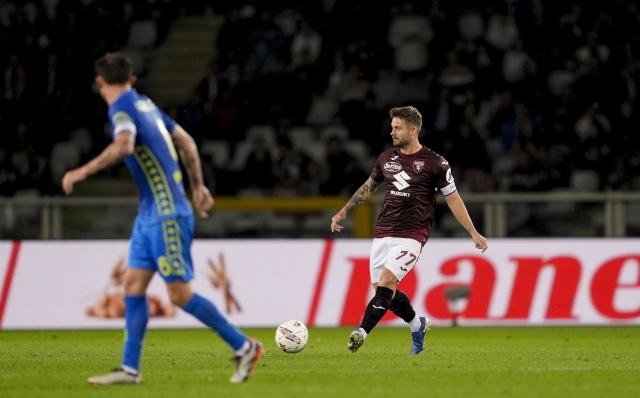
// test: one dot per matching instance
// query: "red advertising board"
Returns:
(326, 283)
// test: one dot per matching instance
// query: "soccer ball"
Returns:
(292, 336)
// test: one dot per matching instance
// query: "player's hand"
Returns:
(70, 178)
(480, 241)
(202, 201)
(335, 220)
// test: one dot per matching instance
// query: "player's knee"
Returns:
(388, 280)
(179, 295)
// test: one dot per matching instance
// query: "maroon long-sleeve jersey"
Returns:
(412, 186)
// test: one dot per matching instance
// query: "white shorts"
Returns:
(398, 255)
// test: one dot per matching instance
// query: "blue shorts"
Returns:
(164, 247)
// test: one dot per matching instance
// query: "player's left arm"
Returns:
(459, 210)
(121, 147)
(188, 151)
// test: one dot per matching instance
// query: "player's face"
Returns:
(401, 133)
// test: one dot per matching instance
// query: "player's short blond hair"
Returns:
(407, 114)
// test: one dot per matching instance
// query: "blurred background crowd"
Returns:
(518, 95)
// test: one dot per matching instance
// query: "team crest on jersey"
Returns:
(418, 165)
(392, 166)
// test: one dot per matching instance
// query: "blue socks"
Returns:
(208, 314)
(136, 316)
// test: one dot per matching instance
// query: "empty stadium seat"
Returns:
(322, 111)
(584, 181)
(240, 156)
(142, 34)
(64, 157)
(301, 136)
(219, 152)
(334, 131)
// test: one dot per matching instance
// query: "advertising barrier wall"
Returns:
(326, 283)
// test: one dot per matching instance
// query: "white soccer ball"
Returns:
(292, 336)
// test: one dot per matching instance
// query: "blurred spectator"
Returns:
(210, 86)
(388, 89)
(520, 77)
(409, 35)
(294, 171)
(305, 46)
(502, 32)
(191, 116)
(342, 173)
(258, 169)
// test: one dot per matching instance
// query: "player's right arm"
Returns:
(459, 210)
(362, 195)
(121, 147)
(188, 152)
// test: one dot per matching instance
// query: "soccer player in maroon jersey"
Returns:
(414, 175)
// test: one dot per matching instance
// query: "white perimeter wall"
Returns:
(325, 283)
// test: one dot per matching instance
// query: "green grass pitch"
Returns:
(458, 362)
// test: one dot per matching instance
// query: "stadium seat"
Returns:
(559, 79)
(245, 223)
(214, 226)
(142, 34)
(517, 215)
(503, 165)
(334, 131)
(471, 26)
(27, 212)
(64, 156)
(320, 223)
(584, 181)
(315, 150)
(448, 224)
(30, 12)
(267, 133)
(301, 136)
(322, 111)
(240, 156)
(279, 225)
(633, 214)
(82, 139)
(219, 152)
(50, 6)
(357, 149)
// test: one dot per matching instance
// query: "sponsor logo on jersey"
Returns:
(401, 180)
(392, 166)
(418, 165)
(397, 193)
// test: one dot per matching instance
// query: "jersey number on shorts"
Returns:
(404, 253)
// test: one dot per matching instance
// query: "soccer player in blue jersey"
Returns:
(150, 143)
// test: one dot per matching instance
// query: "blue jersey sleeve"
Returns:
(121, 119)
(169, 123)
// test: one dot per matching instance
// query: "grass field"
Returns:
(458, 362)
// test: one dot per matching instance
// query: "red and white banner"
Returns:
(326, 283)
